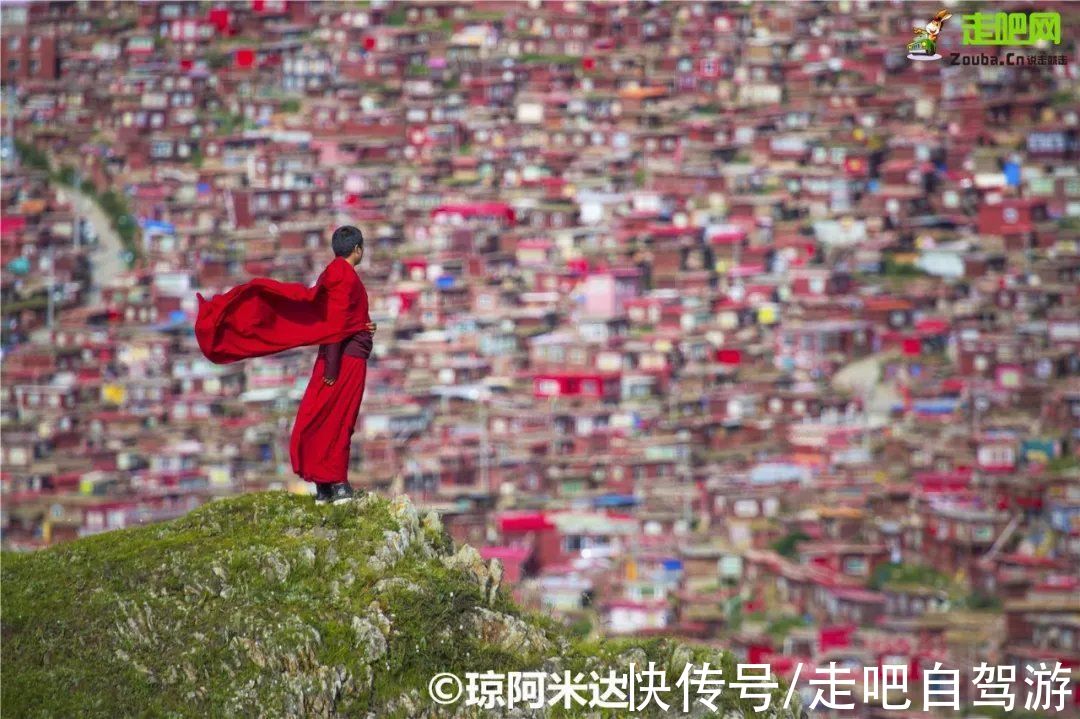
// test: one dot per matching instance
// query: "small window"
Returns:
(855, 566)
(547, 388)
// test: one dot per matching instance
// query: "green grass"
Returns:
(266, 605)
(980, 602)
(781, 626)
(37, 302)
(1065, 463)
(548, 59)
(892, 268)
(788, 545)
(909, 575)
(32, 155)
(485, 15)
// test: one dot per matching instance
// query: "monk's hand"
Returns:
(371, 326)
(329, 380)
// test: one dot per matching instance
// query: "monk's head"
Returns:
(348, 242)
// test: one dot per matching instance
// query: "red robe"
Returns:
(265, 316)
(322, 433)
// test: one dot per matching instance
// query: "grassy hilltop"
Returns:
(266, 605)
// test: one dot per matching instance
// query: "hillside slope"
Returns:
(266, 605)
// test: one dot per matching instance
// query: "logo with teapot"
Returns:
(923, 47)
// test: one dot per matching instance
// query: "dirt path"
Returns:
(863, 377)
(107, 259)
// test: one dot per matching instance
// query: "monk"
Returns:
(265, 316)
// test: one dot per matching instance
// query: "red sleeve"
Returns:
(333, 359)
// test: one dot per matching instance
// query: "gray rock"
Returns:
(369, 638)
(389, 583)
(507, 632)
(307, 556)
(275, 567)
(488, 576)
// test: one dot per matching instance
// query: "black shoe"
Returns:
(322, 492)
(340, 492)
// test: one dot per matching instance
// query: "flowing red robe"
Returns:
(265, 316)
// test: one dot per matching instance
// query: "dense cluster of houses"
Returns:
(728, 322)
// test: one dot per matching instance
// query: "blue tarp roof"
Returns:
(157, 226)
(1012, 174)
(943, 405)
(777, 472)
(615, 500)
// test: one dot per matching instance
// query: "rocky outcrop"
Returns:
(266, 605)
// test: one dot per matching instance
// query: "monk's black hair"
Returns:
(345, 239)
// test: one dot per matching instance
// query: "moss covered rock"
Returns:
(267, 605)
